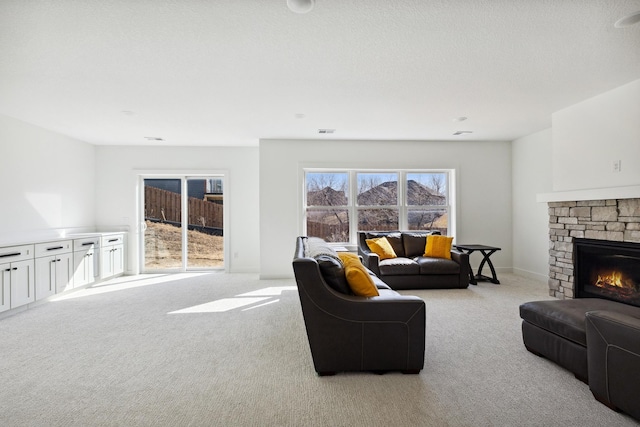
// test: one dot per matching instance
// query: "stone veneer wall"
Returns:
(616, 220)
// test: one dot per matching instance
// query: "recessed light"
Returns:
(300, 6)
(629, 20)
(299, 115)
(153, 138)
(127, 112)
(461, 132)
(326, 130)
(460, 119)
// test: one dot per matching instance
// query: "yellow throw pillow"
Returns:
(345, 257)
(382, 247)
(357, 276)
(438, 246)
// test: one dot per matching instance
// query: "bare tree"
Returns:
(327, 190)
(437, 183)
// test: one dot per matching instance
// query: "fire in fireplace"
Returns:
(607, 269)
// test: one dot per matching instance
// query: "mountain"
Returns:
(382, 194)
(387, 194)
(326, 197)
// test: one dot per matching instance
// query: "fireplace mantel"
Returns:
(627, 192)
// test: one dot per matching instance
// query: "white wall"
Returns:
(117, 177)
(589, 136)
(531, 175)
(46, 182)
(483, 173)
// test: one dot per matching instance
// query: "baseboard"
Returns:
(543, 278)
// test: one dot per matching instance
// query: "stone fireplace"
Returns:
(615, 220)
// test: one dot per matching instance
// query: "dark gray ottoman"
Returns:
(556, 329)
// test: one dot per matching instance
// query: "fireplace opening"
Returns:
(607, 269)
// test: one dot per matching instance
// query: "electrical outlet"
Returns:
(617, 165)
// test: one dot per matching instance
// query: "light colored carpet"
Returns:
(128, 353)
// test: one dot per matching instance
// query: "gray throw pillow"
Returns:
(333, 273)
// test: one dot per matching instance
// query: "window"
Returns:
(339, 203)
(427, 204)
(327, 205)
(377, 201)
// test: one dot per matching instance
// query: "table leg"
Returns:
(479, 276)
(472, 277)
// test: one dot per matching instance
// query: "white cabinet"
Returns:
(111, 256)
(17, 272)
(34, 271)
(54, 268)
(86, 261)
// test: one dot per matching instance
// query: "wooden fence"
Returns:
(329, 232)
(163, 205)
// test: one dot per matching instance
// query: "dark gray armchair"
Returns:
(613, 355)
(355, 333)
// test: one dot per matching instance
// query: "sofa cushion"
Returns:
(414, 244)
(382, 247)
(379, 283)
(430, 265)
(438, 247)
(332, 271)
(389, 293)
(394, 238)
(399, 267)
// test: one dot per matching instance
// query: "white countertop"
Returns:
(34, 239)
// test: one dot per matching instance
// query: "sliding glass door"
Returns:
(183, 223)
(205, 248)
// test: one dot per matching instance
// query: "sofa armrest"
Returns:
(369, 259)
(459, 257)
(387, 307)
(462, 259)
(613, 359)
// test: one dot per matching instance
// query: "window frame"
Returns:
(402, 205)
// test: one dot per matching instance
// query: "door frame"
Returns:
(183, 176)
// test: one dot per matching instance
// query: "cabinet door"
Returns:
(106, 262)
(118, 259)
(85, 270)
(22, 283)
(79, 268)
(5, 287)
(64, 272)
(45, 277)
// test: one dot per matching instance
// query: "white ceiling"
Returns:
(228, 72)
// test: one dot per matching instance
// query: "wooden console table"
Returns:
(486, 252)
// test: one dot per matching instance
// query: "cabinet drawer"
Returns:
(53, 248)
(16, 253)
(86, 243)
(113, 239)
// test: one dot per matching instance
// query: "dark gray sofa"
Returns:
(613, 356)
(355, 333)
(598, 340)
(411, 270)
